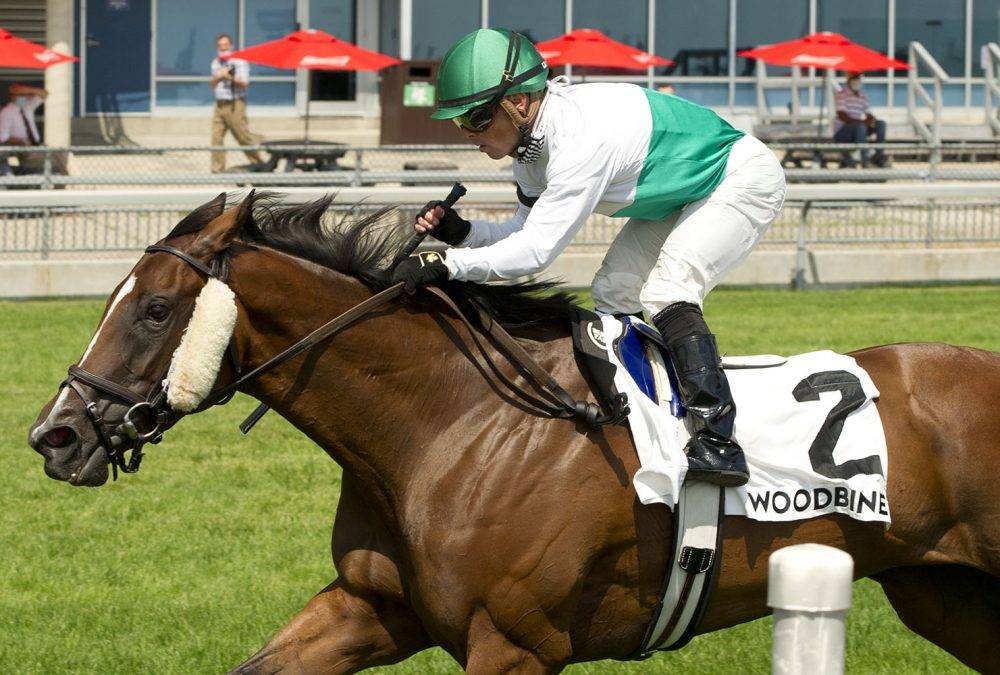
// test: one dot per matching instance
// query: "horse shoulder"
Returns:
(365, 553)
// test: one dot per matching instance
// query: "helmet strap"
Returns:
(530, 145)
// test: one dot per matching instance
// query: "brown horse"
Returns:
(515, 541)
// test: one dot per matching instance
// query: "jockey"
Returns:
(698, 194)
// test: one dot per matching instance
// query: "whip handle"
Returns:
(457, 191)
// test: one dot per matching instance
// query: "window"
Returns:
(339, 19)
(438, 24)
(863, 21)
(538, 21)
(388, 34)
(985, 29)
(764, 22)
(939, 25)
(699, 46)
(268, 20)
(186, 32)
(624, 20)
(185, 46)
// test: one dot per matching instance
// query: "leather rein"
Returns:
(145, 420)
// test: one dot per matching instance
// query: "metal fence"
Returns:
(89, 225)
(101, 167)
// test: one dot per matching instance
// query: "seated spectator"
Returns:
(17, 125)
(854, 123)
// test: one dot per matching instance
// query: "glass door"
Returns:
(116, 38)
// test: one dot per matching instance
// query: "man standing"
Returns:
(230, 79)
(17, 125)
(855, 123)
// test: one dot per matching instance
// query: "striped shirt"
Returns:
(854, 104)
(225, 90)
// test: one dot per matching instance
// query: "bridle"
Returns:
(147, 416)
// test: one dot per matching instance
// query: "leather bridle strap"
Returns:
(103, 385)
(190, 260)
(561, 403)
(325, 331)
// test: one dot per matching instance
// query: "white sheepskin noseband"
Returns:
(196, 362)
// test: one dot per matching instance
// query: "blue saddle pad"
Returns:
(630, 348)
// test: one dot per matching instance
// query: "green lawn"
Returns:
(190, 565)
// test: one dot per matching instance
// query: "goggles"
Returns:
(477, 119)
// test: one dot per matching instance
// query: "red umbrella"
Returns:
(824, 50)
(313, 50)
(589, 47)
(18, 53)
(829, 51)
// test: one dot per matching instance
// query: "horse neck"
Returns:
(370, 395)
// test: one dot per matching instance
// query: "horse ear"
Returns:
(201, 216)
(221, 231)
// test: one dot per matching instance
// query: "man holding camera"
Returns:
(230, 79)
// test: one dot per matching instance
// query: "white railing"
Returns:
(916, 94)
(991, 99)
(478, 195)
(766, 83)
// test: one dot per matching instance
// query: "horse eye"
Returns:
(157, 311)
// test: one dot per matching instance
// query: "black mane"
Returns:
(364, 246)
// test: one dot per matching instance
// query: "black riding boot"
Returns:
(713, 455)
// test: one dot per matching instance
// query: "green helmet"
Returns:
(484, 66)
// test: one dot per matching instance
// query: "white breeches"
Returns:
(652, 264)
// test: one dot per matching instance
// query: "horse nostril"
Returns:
(59, 437)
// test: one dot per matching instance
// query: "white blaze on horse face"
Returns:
(122, 292)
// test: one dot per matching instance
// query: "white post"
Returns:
(809, 587)
(59, 79)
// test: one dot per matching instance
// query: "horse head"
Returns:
(104, 408)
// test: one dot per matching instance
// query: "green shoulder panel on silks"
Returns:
(688, 150)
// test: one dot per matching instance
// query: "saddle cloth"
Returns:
(808, 424)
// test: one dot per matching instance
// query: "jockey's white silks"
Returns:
(812, 435)
(196, 363)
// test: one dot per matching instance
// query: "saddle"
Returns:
(631, 347)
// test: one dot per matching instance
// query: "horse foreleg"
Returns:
(340, 631)
(490, 651)
(955, 607)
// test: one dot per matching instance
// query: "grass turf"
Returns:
(190, 565)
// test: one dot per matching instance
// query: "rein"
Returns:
(147, 415)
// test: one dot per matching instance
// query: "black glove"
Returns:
(452, 230)
(424, 268)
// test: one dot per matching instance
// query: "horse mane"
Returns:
(364, 246)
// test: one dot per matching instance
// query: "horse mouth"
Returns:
(91, 471)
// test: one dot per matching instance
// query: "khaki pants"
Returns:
(232, 116)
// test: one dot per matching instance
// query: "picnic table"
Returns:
(304, 155)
